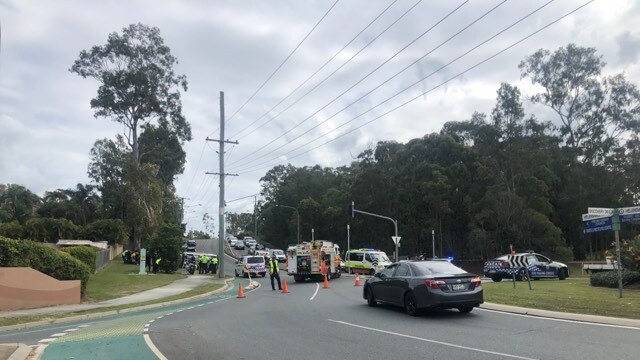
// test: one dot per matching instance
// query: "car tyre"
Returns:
(522, 275)
(263, 274)
(372, 272)
(465, 309)
(410, 305)
(371, 300)
(298, 279)
(562, 274)
(496, 279)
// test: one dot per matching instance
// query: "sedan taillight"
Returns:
(476, 282)
(434, 284)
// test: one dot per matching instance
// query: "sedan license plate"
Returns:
(458, 287)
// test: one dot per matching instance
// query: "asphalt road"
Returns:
(336, 323)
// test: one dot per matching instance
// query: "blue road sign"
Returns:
(598, 225)
(630, 218)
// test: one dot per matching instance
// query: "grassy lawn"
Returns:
(118, 280)
(194, 292)
(572, 295)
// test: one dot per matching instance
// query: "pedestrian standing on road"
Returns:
(156, 263)
(274, 272)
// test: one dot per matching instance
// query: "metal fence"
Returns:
(102, 259)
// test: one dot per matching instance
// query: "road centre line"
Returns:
(560, 320)
(432, 341)
(315, 293)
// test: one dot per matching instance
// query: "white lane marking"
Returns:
(46, 340)
(70, 330)
(58, 334)
(82, 326)
(153, 348)
(432, 341)
(150, 321)
(561, 320)
(315, 293)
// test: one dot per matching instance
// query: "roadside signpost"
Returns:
(516, 262)
(607, 219)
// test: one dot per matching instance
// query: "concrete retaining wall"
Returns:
(26, 288)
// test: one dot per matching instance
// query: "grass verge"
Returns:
(193, 292)
(572, 295)
(118, 280)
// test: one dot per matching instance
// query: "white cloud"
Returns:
(47, 127)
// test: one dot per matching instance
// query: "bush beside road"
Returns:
(571, 295)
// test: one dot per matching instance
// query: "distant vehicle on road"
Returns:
(249, 242)
(239, 245)
(191, 245)
(233, 242)
(260, 253)
(253, 265)
(540, 267)
(313, 260)
(279, 254)
(417, 285)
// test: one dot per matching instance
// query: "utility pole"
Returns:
(222, 174)
(348, 247)
(433, 244)
(255, 215)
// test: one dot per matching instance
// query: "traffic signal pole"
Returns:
(395, 222)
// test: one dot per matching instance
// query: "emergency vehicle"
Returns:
(366, 261)
(304, 261)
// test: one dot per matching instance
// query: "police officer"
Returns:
(214, 265)
(274, 272)
(204, 260)
(156, 263)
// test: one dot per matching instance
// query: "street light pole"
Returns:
(313, 236)
(433, 244)
(348, 246)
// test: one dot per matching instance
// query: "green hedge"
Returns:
(57, 264)
(610, 278)
(83, 253)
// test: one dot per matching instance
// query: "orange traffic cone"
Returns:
(240, 291)
(326, 283)
(357, 280)
(285, 288)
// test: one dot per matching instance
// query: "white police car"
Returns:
(540, 266)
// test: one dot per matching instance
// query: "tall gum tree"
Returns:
(138, 84)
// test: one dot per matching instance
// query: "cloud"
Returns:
(47, 126)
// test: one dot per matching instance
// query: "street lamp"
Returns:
(297, 213)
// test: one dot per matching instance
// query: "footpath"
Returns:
(175, 288)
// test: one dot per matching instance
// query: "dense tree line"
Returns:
(487, 182)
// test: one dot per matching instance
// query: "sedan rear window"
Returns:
(436, 268)
(255, 260)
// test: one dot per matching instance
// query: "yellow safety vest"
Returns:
(273, 264)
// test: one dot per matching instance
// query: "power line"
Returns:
(317, 71)
(197, 167)
(433, 88)
(362, 79)
(284, 61)
(400, 72)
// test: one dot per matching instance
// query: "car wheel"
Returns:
(496, 279)
(371, 300)
(522, 275)
(562, 274)
(263, 274)
(465, 309)
(372, 272)
(410, 305)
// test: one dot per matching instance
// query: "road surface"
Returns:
(315, 323)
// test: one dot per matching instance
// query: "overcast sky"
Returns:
(47, 127)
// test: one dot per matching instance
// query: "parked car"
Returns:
(249, 242)
(417, 285)
(233, 241)
(253, 265)
(540, 266)
(260, 253)
(239, 245)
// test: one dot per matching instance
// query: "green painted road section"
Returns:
(120, 337)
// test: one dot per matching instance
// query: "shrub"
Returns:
(168, 244)
(55, 263)
(11, 230)
(83, 253)
(610, 278)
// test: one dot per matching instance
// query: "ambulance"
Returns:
(305, 260)
(366, 261)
